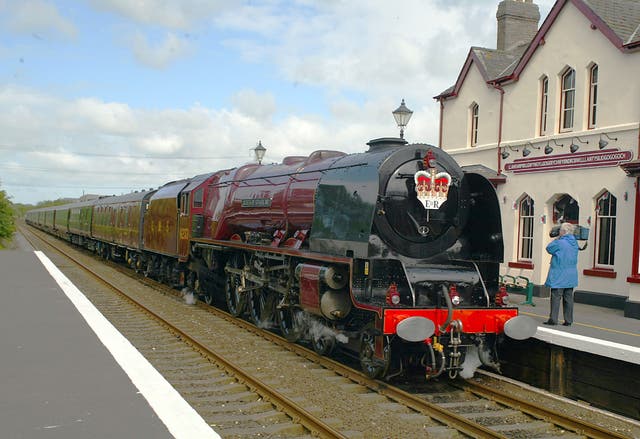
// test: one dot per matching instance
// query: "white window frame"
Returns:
(605, 230)
(544, 106)
(525, 229)
(475, 112)
(567, 100)
(593, 96)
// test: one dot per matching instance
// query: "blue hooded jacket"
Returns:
(563, 272)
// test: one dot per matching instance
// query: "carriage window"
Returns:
(197, 198)
(184, 204)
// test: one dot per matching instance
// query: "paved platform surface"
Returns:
(599, 330)
(58, 379)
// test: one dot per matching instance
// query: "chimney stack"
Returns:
(517, 23)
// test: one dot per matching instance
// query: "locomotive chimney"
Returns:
(517, 23)
(385, 142)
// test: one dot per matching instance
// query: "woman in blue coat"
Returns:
(563, 274)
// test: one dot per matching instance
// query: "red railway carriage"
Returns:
(161, 219)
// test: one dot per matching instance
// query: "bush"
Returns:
(7, 220)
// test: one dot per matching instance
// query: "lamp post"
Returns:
(402, 115)
(259, 151)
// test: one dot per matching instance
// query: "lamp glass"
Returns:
(259, 151)
(402, 115)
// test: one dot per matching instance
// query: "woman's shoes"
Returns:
(550, 322)
(566, 324)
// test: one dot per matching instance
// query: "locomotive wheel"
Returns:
(323, 344)
(236, 301)
(149, 268)
(372, 366)
(262, 307)
(291, 322)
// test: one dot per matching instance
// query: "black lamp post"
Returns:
(402, 115)
(259, 151)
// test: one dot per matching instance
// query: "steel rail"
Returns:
(308, 420)
(577, 425)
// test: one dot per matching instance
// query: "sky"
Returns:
(111, 96)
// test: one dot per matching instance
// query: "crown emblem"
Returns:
(432, 188)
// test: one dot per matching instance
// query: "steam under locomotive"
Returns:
(391, 254)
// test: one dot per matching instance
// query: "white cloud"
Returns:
(171, 14)
(39, 18)
(253, 104)
(160, 55)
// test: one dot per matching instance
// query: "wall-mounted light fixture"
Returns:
(603, 143)
(505, 151)
(549, 149)
(526, 151)
(574, 146)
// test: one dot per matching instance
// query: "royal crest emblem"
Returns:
(432, 188)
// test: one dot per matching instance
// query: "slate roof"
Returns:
(618, 19)
(499, 63)
(622, 16)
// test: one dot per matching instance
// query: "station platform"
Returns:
(597, 330)
(67, 373)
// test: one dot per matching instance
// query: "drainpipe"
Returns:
(441, 100)
(501, 90)
(635, 259)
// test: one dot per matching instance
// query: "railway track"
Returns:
(251, 383)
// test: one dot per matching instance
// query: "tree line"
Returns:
(9, 212)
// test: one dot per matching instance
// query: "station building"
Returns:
(552, 115)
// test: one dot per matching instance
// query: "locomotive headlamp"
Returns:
(455, 297)
(502, 297)
(259, 151)
(402, 115)
(429, 160)
(393, 296)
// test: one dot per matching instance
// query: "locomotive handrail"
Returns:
(288, 174)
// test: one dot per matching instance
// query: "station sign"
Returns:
(578, 160)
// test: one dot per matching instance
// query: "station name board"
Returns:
(580, 160)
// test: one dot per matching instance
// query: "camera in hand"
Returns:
(581, 233)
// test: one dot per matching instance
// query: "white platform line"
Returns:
(618, 351)
(178, 416)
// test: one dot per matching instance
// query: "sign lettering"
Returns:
(592, 159)
(256, 202)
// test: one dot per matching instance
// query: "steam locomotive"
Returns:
(391, 254)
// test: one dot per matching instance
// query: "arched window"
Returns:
(606, 229)
(593, 96)
(544, 104)
(525, 229)
(566, 210)
(474, 124)
(568, 99)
